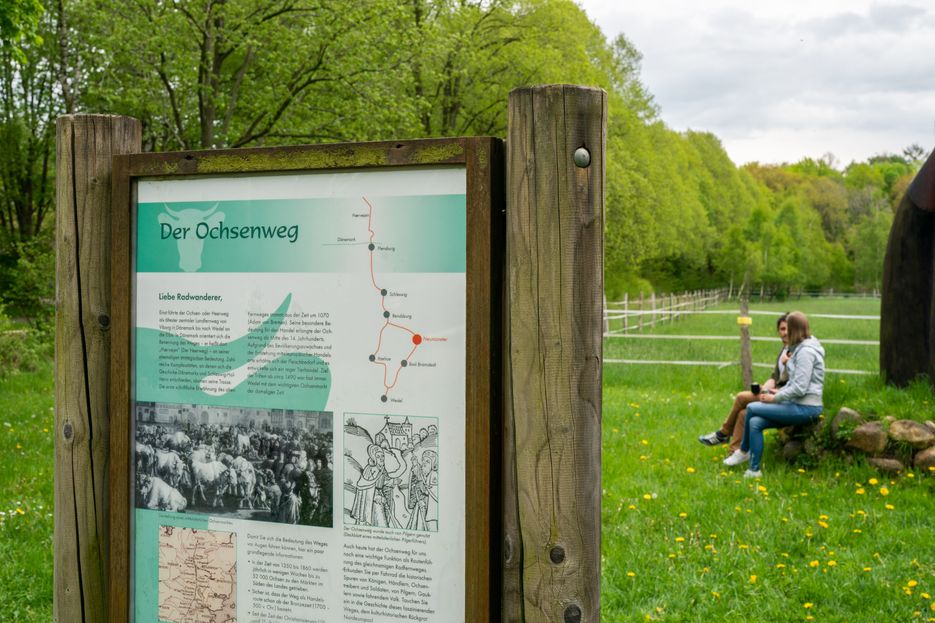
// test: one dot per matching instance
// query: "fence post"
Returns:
(653, 301)
(555, 192)
(84, 146)
(639, 317)
(746, 354)
(626, 312)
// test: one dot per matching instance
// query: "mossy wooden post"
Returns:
(552, 457)
(85, 144)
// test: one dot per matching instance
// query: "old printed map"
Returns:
(197, 576)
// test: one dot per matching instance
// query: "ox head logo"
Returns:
(189, 228)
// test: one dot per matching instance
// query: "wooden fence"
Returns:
(635, 313)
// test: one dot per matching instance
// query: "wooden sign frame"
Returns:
(483, 159)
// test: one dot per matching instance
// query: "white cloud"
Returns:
(783, 81)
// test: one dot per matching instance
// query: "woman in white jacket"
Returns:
(799, 402)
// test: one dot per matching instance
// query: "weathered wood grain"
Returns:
(555, 260)
(85, 144)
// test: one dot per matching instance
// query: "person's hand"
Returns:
(766, 397)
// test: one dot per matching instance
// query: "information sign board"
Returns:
(303, 384)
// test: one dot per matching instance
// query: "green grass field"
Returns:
(26, 466)
(684, 539)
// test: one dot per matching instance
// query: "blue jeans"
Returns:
(763, 415)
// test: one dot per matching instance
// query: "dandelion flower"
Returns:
(647, 496)
(823, 524)
(690, 470)
(873, 481)
(868, 569)
(630, 574)
(890, 507)
(644, 442)
(813, 564)
(679, 539)
(912, 583)
(884, 491)
(807, 605)
(860, 491)
(683, 515)
(832, 563)
(752, 579)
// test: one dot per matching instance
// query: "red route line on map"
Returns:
(373, 280)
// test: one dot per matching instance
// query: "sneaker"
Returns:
(714, 439)
(752, 474)
(738, 457)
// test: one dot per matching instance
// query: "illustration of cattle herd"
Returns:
(269, 475)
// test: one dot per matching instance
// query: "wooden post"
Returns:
(653, 301)
(640, 316)
(746, 354)
(85, 144)
(626, 312)
(553, 354)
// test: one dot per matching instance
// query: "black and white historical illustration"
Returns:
(391, 472)
(262, 464)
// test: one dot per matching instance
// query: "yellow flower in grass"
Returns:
(912, 583)
(932, 606)
(683, 515)
(884, 491)
(832, 563)
(813, 564)
(910, 475)
(807, 605)
(890, 507)
(860, 491)
(925, 595)
(752, 579)
(679, 539)
(780, 566)
(868, 569)
(873, 481)
(630, 574)
(644, 442)
(690, 470)
(823, 524)
(647, 496)
(717, 595)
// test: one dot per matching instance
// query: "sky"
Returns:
(781, 81)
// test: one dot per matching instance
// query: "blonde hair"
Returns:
(797, 325)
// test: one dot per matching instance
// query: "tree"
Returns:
(28, 107)
(19, 22)
(206, 74)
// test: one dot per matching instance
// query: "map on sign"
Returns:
(197, 576)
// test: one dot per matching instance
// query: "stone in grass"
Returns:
(869, 438)
(846, 418)
(792, 449)
(912, 433)
(892, 466)
(925, 459)
(929, 424)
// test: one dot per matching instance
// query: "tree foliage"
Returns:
(236, 73)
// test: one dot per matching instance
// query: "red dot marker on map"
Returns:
(416, 339)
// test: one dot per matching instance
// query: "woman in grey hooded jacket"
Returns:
(799, 402)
